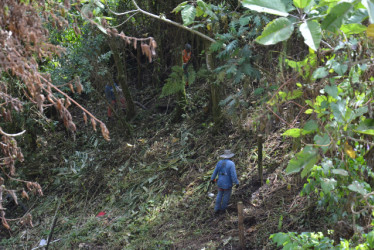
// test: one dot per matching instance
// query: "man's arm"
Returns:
(234, 178)
(215, 172)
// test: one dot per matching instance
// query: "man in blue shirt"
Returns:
(225, 169)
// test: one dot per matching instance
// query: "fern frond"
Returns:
(216, 46)
(257, 21)
(235, 24)
(231, 70)
(174, 83)
(232, 46)
(225, 37)
(242, 30)
(244, 20)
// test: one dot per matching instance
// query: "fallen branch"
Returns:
(11, 135)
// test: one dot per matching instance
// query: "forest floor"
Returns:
(153, 185)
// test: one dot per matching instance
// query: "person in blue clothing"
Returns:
(111, 98)
(225, 169)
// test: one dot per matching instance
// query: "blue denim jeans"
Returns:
(222, 200)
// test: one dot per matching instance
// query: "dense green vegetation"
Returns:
(298, 72)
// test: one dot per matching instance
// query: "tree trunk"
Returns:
(214, 88)
(122, 78)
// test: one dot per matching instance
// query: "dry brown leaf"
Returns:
(153, 43)
(38, 188)
(67, 103)
(29, 219)
(85, 117)
(50, 99)
(29, 185)
(59, 105)
(71, 126)
(40, 100)
(25, 195)
(71, 87)
(78, 85)
(1, 181)
(5, 223)
(20, 156)
(104, 131)
(135, 43)
(93, 122)
(114, 32)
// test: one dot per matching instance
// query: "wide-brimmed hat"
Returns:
(227, 154)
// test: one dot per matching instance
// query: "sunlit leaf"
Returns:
(336, 16)
(370, 238)
(276, 31)
(370, 30)
(340, 171)
(301, 4)
(339, 109)
(349, 150)
(369, 4)
(320, 73)
(353, 28)
(275, 7)
(366, 127)
(293, 132)
(188, 14)
(311, 32)
(179, 7)
(303, 160)
(328, 184)
(357, 187)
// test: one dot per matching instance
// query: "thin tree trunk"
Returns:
(122, 78)
(214, 88)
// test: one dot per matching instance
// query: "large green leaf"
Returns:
(188, 14)
(358, 16)
(370, 239)
(310, 126)
(322, 141)
(179, 7)
(311, 32)
(332, 91)
(276, 31)
(340, 171)
(339, 109)
(321, 72)
(357, 187)
(340, 69)
(366, 127)
(353, 28)
(369, 4)
(275, 7)
(303, 160)
(293, 132)
(301, 3)
(336, 16)
(328, 184)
